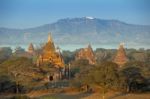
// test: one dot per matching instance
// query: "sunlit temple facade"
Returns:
(86, 53)
(121, 57)
(51, 55)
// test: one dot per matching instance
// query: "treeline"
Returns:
(102, 54)
(19, 74)
(132, 77)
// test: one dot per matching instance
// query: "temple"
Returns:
(86, 53)
(31, 49)
(51, 55)
(120, 57)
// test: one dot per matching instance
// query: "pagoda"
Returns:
(120, 57)
(31, 49)
(86, 53)
(50, 54)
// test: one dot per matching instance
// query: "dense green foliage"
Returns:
(133, 77)
(68, 56)
(18, 70)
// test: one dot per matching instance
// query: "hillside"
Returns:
(80, 31)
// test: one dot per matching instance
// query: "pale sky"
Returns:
(32, 13)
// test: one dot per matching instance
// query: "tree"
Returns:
(143, 66)
(68, 56)
(104, 75)
(79, 66)
(132, 77)
(104, 54)
(19, 70)
(19, 50)
(5, 53)
(5, 82)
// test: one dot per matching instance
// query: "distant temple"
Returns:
(31, 49)
(86, 53)
(121, 58)
(51, 55)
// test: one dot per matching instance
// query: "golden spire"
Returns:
(50, 38)
(89, 45)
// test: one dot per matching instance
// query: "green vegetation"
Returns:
(5, 53)
(21, 75)
(17, 70)
(48, 97)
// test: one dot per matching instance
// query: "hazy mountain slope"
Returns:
(80, 30)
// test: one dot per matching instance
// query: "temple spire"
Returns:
(50, 38)
(89, 45)
(50, 54)
(121, 45)
(86, 53)
(121, 57)
(31, 48)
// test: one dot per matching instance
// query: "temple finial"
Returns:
(89, 45)
(122, 44)
(50, 38)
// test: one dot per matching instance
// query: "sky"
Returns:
(31, 13)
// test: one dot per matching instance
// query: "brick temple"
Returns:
(121, 57)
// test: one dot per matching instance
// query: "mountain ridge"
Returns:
(80, 31)
(71, 19)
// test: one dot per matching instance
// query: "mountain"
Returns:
(80, 31)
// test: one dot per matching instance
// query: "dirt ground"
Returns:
(96, 96)
(45, 94)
